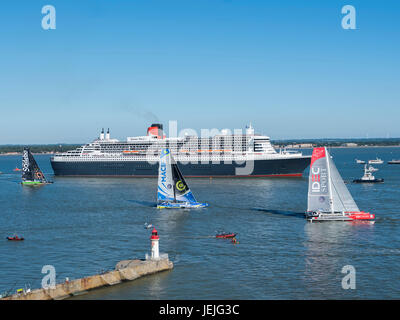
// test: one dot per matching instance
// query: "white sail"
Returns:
(341, 197)
(165, 179)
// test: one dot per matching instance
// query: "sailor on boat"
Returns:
(328, 197)
(31, 173)
(173, 191)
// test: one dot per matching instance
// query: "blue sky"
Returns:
(286, 66)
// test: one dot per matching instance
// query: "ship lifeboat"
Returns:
(225, 235)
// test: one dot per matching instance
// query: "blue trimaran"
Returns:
(173, 191)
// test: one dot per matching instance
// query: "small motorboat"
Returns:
(360, 161)
(17, 169)
(375, 161)
(225, 235)
(15, 238)
(368, 177)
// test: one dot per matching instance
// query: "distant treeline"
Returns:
(45, 148)
(341, 142)
(53, 148)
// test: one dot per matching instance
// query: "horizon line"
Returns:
(283, 139)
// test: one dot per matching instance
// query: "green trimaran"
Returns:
(31, 173)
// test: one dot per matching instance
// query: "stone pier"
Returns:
(126, 270)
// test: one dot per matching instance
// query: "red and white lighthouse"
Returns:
(155, 253)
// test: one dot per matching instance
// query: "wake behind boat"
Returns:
(328, 197)
(173, 191)
(31, 173)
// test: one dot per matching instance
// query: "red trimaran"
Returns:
(328, 197)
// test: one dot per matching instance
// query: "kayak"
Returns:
(225, 235)
(15, 238)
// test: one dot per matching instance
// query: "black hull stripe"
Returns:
(262, 168)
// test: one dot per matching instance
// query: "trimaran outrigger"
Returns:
(31, 173)
(173, 191)
(328, 197)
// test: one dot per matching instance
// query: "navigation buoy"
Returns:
(155, 254)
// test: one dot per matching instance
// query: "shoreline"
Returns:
(20, 153)
(345, 147)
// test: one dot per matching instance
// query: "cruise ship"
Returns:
(222, 155)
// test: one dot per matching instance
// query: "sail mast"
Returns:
(329, 180)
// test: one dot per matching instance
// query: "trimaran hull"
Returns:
(171, 205)
(338, 216)
(34, 183)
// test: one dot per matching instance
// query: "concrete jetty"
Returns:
(125, 270)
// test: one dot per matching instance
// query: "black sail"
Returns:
(30, 169)
(182, 191)
(180, 184)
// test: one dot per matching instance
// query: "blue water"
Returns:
(82, 226)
